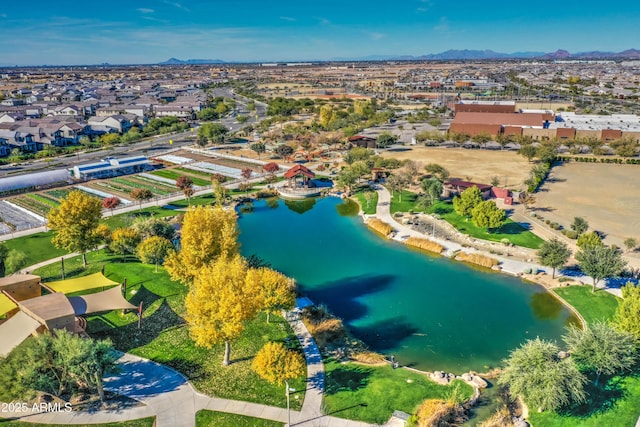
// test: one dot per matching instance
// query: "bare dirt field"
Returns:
(475, 165)
(606, 195)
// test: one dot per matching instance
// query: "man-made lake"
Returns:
(430, 312)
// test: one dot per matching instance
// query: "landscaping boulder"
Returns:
(481, 383)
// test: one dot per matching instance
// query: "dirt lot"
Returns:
(475, 165)
(606, 195)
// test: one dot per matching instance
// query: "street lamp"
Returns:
(288, 407)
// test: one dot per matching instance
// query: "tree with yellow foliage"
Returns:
(154, 249)
(277, 291)
(124, 241)
(327, 115)
(207, 232)
(221, 300)
(75, 222)
(103, 231)
(277, 365)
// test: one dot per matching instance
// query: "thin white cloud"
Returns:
(145, 10)
(151, 18)
(376, 36)
(443, 26)
(176, 5)
(425, 5)
(3, 15)
(288, 18)
(324, 21)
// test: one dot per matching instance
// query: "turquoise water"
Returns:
(430, 312)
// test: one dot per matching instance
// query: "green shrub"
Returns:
(570, 234)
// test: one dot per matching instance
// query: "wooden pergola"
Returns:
(300, 171)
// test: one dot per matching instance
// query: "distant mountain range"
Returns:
(452, 55)
(466, 54)
(175, 61)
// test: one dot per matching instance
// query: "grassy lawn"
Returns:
(171, 174)
(126, 219)
(371, 394)
(206, 199)
(142, 422)
(37, 247)
(195, 172)
(617, 404)
(371, 209)
(237, 191)
(164, 336)
(403, 202)
(599, 305)
(206, 418)
(616, 401)
(510, 230)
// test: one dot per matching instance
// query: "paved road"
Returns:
(148, 146)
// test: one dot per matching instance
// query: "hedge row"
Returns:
(537, 179)
(616, 160)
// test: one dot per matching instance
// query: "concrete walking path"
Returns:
(512, 266)
(170, 397)
(508, 265)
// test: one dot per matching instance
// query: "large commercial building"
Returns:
(111, 166)
(501, 118)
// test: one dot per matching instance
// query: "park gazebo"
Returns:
(300, 177)
(299, 184)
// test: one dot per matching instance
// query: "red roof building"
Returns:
(474, 123)
(298, 170)
(455, 186)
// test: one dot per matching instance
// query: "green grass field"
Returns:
(164, 335)
(206, 418)
(510, 230)
(37, 247)
(371, 208)
(171, 174)
(371, 394)
(200, 173)
(616, 402)
(593, 306)
(404, 201)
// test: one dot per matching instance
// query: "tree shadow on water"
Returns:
(347, 378)
(386, 334)
(342, 295)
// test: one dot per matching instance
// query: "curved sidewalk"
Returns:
(170, 397)
(508, 265)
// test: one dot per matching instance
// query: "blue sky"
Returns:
(149, 31)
